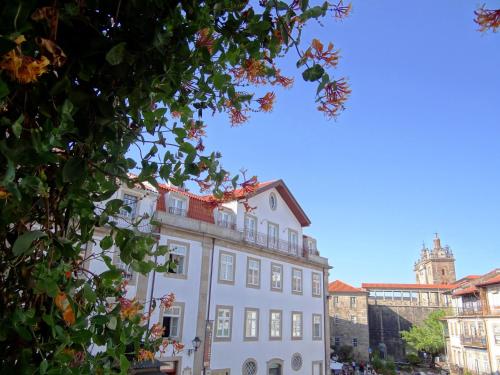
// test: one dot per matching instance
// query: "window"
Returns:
(275, 325)
(253, 273)
(296, 325)
(293, 241)
(496, 333)
(354, 319)
(251, 324)
(179, 256)
(316, 327)
(353, 302)
(129, 201)
(128, 273)
(225, 219)
(273, 201)
(336, 319)
(354, 342)
(224, 322)
(249, 367)
(272, 236)
(172, 321)
(226, 267)
(296, 281)
(337, 341)
(250, 228)
(296, 362)
(276, 277)
(336, 300)
(177, 205)
(316, 284)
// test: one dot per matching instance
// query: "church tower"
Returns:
(436, 266)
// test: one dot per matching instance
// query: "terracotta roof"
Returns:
(197, 209)
(491, 281)
(405, 286)
(339, 286)
(469, 290)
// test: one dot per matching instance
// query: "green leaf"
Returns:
(89, 294)
(17, 127)
(23, 242)
(112, 323)
(124, 364)
(43, 367)
(106, 243)
(73, 169)
(111, 274)
(4, 89)
(116, 54)
(314, 73)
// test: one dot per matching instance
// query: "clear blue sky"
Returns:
(417, 150)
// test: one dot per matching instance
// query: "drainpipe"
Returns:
(205, 345)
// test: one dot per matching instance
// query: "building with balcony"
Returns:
(473, 325)
(250, 286)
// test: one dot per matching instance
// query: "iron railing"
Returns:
(271, 243)
(476, 340)
(476, 309)
(127, 222)
(226, 224)
(177, 211)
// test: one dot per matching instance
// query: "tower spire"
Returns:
(437, 242)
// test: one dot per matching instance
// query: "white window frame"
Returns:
(222, 321)
(250, 233)
(174, 208)
(297, 282)
(316, 320)
(294, 335)
(225, 218)
(272, 324)
(293, 241)
(274, 267)
(253, 273)
(179, 306)
(250, 321)
(223, 276)
(174, 254)
(134, 209)
(316, 284)
(273, 241)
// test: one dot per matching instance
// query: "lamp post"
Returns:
(196, 344)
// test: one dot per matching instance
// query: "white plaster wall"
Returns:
(234, 353)
(186, 291)
(494, 348)
(282, 216)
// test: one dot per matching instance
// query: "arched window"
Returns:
(296, 362)
(249, 367)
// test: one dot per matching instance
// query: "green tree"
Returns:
(428, 336)
(83, 82)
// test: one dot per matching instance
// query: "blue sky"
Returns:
(417, 150)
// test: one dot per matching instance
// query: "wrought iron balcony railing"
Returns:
(476, 341)
(272, 243)
(177, 211)
(476, 309)
(226, 224)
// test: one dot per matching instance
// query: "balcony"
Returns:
(226, 224)
(476, 309)
(272, 243)
(476, 341)
(177, 211)
(144, 226)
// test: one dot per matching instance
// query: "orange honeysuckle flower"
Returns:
(129, 308)
(145, 355)
(157, 331)
(252, 71)
(328, 57)
(62, 303)
(266, 102)
(168, 300)
(282, 80)
(176, 114)
(4, 194)
(178, 346)
(340, 10)
(487, 19)
(336, 94)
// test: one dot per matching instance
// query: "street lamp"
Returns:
(196, 344)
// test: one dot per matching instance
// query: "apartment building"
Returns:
(473, 326)
(250, 287)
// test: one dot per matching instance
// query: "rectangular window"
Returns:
(272, 236)
(178, 258)
(225, 219)
(336, 319)
(336, 300)
(224, 322)
(275, 325)
(316, 284)
(276, 277)
(296, 281)
(353, 302)
(354, 342)
(388, 294)
(406, 296)
(226, 267)
(354, 319)
(177, 205)
(172, 321)
(316, 327)
(337, 341)
(293, 241)
(296, 325)
(128, 273)
(253, 273)
(250, 228)
(129, 201)
(496, 333)
(251, 324)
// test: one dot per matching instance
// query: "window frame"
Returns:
(291, 248)
(301, 291)
(220, 280)
(271, 337)
(299, 313)
(319, 284)
(217, 309)
(184, 274)
(320, 337)
(280, 266)
(245, 324)
(231, 218)
(247, 361)
(259, 272)
(117, 262)
(351, 303)
(276, 244)
(246, 219)
(134, 211)
(180, 326)
(172, 195)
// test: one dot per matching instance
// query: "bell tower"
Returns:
(436, 265)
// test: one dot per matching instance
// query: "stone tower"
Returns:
(436, 266)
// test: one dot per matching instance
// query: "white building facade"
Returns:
(248, 285)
